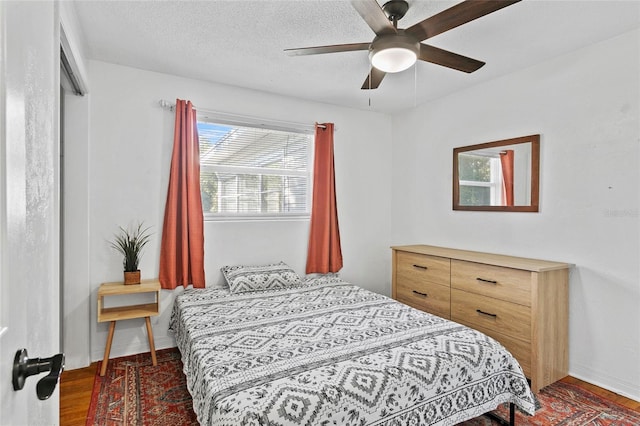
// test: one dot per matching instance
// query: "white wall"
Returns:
(131, 139)
(585, 106)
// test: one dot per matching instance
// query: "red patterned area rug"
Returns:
(133, 392)
(568, 405)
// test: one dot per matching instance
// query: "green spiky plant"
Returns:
(130, 244)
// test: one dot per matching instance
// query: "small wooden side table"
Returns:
(146, 311)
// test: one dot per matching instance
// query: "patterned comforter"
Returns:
(336, 354)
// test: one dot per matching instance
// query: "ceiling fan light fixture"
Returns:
(393, 53)
(393, 59)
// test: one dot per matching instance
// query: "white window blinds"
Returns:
(253, 171)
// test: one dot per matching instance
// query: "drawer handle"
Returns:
(420, 266)
(487, 281)
(421, 294)
(486, 313)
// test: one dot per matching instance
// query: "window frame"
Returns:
(243, 121)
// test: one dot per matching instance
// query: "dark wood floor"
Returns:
(76, 386)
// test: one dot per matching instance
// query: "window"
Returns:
(250, 171)
(480, 180)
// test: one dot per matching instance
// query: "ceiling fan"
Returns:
(394, 49)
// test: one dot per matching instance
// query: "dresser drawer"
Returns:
(432, 298)
(420, 268)
(512, 285)
(484, 312)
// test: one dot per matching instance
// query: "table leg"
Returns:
(107, 349)
(152, 347)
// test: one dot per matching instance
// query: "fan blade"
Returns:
(448, 59)
(455, 16)
(374, 16)
(327, 49)
(373, 79)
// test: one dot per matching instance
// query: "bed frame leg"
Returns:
(512, 416)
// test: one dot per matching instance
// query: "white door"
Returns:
(29, 230)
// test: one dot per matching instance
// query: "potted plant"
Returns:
(130, 244)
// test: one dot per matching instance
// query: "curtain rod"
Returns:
(171, 107)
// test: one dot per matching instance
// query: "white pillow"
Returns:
(242, 278)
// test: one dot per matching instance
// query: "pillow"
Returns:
(243, 278)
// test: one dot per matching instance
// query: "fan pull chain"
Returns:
(370, 69)
(415, 85)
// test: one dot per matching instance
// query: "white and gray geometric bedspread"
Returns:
(336, 354)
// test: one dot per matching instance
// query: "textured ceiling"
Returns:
(241, 43)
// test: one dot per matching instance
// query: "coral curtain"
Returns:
(182, 249)
(324, 253)
(506, 160)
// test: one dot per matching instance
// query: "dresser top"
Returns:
(533, 265)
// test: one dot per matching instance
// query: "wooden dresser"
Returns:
(523, 303)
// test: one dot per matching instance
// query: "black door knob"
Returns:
(24, 367)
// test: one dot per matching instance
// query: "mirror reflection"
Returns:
(497, 176)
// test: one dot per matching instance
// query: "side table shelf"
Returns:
(113, 314)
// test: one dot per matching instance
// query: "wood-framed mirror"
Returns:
(498, 176)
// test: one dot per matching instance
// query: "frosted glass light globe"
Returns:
(393, 59)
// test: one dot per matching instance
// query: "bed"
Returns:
(326, 352)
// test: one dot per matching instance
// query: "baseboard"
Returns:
(164, 342)
(76, 362)
(629, 390)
